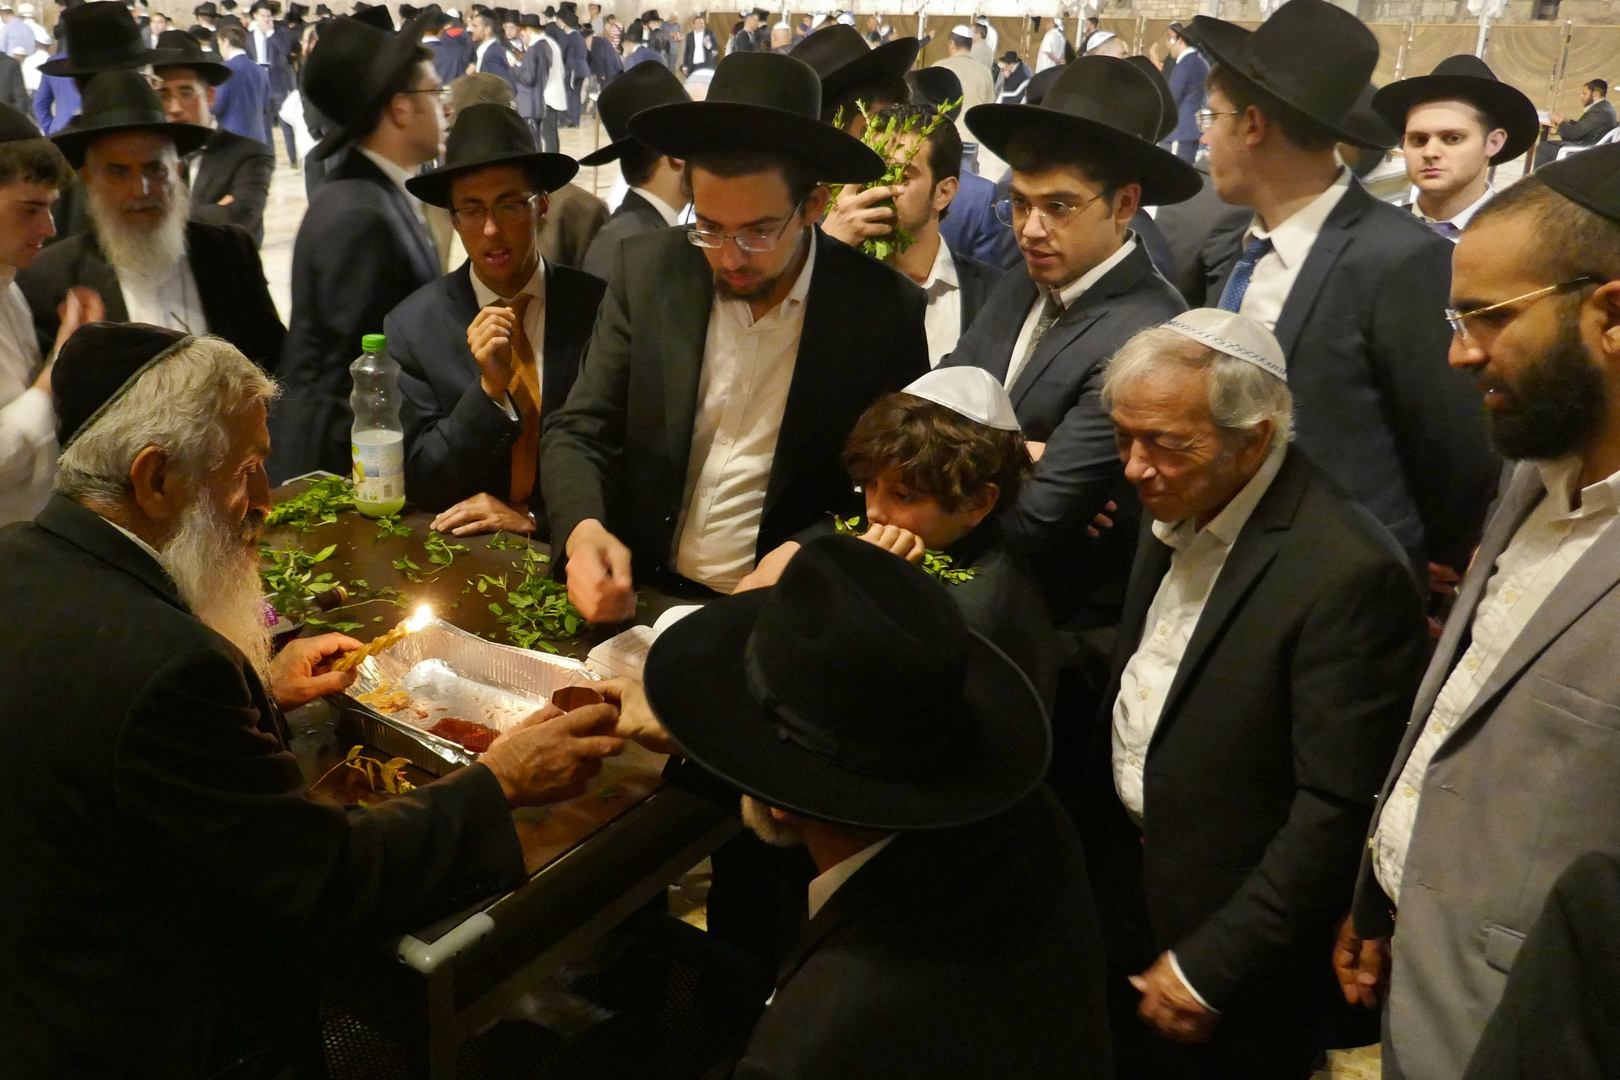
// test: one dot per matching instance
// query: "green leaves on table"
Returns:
(507, 542)
(290, 580)
(389, 525)
(537, 611)
(407, 566)
(319, 504)
(442, 552)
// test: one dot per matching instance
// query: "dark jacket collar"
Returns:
(88, 530)
(971, 548)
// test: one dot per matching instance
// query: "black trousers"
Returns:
(576, 94)
(548, 131)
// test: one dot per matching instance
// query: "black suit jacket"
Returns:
(1058, 399)
(360, 251)
(13, 90)
(974, 281)
(606, 63)
(618, 451)
(1590, 126)
(1375, 403)
(529, 80)
(634, 217)
(1276, 733)
(230, 287)
(237, 166)
(457, 441)
(1199, 233)
(954, 953)
(172, 891)
(711, 51)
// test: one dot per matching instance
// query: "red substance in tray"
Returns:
(475, 737)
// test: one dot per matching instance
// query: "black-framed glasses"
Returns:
(1460, 320)
(1205, 118)
(506, 213)
(1054, 213)
(755, 240)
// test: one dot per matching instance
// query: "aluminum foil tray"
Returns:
(449, 672)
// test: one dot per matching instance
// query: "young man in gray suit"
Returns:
(1510, 763)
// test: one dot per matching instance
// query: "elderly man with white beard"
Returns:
(148, 263)
(168, 881)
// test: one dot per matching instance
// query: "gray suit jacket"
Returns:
(1524, 785)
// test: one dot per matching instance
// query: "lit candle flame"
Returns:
(423, 616)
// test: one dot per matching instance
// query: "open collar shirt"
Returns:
(823, 887)
(1452, 228)
(27, 416)
(943, 320)
(1545, 547)
(1291, 243)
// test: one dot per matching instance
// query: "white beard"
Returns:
(216, 569)
(757, 816)
(151, 256)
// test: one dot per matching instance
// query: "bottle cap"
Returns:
(373, 342)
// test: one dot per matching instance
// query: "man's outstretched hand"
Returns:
(547, 758)
(293, 673)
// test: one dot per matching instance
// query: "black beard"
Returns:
(1554, 408)
(758, 292)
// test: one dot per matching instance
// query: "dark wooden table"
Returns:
(594, 860)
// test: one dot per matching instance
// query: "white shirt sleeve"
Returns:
(1175, 966)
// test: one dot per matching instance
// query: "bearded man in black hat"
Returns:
(142, 255)
(1456, 124)
(230, 175)
(1354, 289)
(1084, 161)
(1509, 766)
(172, 880)
(951, 931)
(363, 246)
(486, 351)
(657, 194)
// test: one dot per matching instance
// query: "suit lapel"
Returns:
(683, 333)
(96, 272)
(419, 245)
(1013, 312)
(865, 888)
(1330, 243)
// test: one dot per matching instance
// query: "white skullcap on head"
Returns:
(1098, 38)
(1235, 335)
(971, 391)
(847, 19)
(962, 30)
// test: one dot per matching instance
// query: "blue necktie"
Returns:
(1238, 283)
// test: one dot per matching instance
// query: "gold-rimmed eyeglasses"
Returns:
(755, 239)
(1205, 118)
(1054, 213)
(1463, 322)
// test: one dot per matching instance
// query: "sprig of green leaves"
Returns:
(319, 504)
(537, 611)
(935, 563)
(442, 552)
(887, 140)
(389, 525)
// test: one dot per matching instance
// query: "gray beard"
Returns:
(150, 256)
(216, 569)
(757, 816)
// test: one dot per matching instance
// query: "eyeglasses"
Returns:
(1460, 320)
(183, 91)
(440, 92)
(754, 240)
(1206, 117)
(506, 213)
(1054, 213)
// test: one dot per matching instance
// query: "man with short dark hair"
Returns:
(978, 88)
(1186, 80)
(657, 194)
(489, 49)
(1597, 119)
(243, 101)
(701, 49)
(271, 48)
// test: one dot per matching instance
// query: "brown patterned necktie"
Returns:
(1050, 310)
(525, 391)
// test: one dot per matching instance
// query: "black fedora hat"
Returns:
(486, 135)
(1040, 84)
(176, 48)
(851, 692)
(353, 71)
(14, 126)
(1590, 178)
(759, 101)
(1471, 79)
(843, 60)
(206, 10)
(376, 15)
(1169, 114)
(1102, 102)
(644, 86)
(118, 101)
(100, 36)
(1311, 57)
(936, 86)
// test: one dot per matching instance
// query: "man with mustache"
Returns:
(170, 886)
(143, 257)
(1511, 758)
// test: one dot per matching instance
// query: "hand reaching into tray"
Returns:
(548, 757)
(294, 680)
(636, 719)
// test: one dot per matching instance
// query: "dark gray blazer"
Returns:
(1590, 126)
(619, 449)
(975, 281)
(1524, 785)
(634, 217)
(237, 166)
(1375, 403)
(529, 80)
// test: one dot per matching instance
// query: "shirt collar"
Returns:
(391, 169)
(822, 888)
(1559, 477)
(535, 287)
(942, 275)
(142, 544)
(670, 215)
(792, 305)
(1227, 524)
(1461, 219)
(1072, 292)
(1293, 239)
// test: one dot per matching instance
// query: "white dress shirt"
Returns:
(1052, 50)
(1291, 244)
(555, 92)
(173, 302)
(27, 416)
(1550, 541)
(742, 394)
(699, 53)
(1458, 221)
(1066, 298)
(261, 48)
(943, 320)
(823, 887)
(534, 320)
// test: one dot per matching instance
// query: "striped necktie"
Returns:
(1238, 284)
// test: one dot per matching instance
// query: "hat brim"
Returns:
(399, 53)
(1165, 178)
(692, 127)
(890, 60)
(697, 685)
(1224, 41)
(64, 65)
(604, 154)
(1507, 105)
(75, 142)
(550, 171)
(213, 73)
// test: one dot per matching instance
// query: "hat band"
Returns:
(916, 761)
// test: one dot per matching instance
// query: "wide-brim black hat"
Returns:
(15, 126)
(1099, 102)
(1469, 78)
(118, 101)
(843, 60)
(936, 86)
(1590, 178)
(376, 15)
(899, 717)
(645, 86)
(1312, 58)
(759, 101)
(100, 36)
(176, 48)
(486, 135)
(1169, 112)
(352, 72)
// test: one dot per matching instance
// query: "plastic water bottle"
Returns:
(377, 439)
